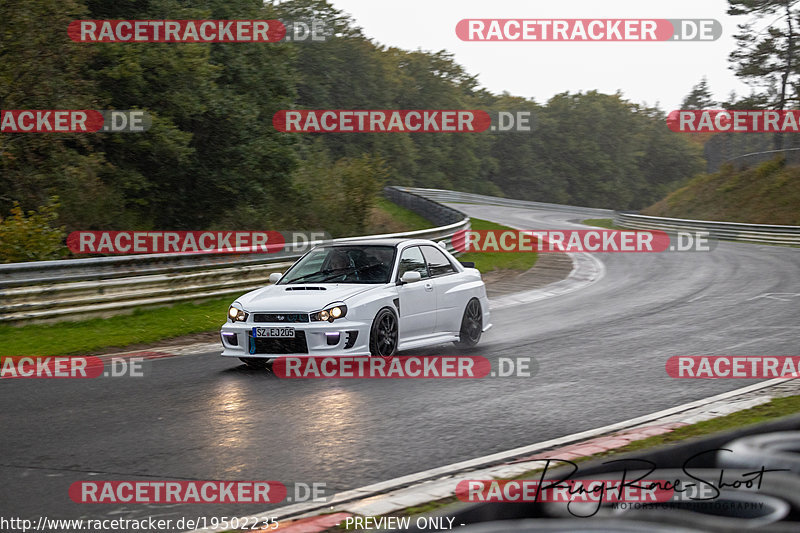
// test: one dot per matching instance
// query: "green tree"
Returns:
(768, 58)
(31, 237)
(699, 97)
(212, 148)
(40, 68)
(339, 194)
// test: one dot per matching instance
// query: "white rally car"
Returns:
(366, 297)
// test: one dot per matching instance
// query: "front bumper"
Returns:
(339, 338)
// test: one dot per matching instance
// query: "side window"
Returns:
(437, 261)
(411, 259)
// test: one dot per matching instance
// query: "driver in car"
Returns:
(339, 261)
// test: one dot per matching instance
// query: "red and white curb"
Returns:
(439, 483)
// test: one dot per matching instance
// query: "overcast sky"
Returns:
(649, 72)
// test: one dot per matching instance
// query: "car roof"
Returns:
(380, 242)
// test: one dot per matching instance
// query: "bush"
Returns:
(338, 195)
(32, 237)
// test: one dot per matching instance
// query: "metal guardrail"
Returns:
(718, 153)
(791, 155)
(730, 231)
(735, 231)
(103, 286)
(441, 195)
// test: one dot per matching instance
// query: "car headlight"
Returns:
(236, 314)
(330, 313)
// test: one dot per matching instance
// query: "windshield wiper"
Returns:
(353, 269)
(347, 269)
(338, 271)
(317, 273)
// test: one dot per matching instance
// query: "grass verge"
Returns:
(142, 326)
(767, 193)
(400, 217)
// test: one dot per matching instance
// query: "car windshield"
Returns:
(343, 264)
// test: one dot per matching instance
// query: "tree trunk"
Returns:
(778, 137)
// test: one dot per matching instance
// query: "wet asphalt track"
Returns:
(601, 354)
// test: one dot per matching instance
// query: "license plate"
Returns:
(273, 333)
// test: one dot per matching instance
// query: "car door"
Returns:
(446, 282)
(417, 300)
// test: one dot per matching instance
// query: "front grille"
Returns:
(280, 346)
(280, 317)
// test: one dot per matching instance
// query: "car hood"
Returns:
(302, 298)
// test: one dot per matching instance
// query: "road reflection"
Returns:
(318, 421)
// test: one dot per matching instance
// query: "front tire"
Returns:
(258, 363)
(471, 325)
(383, 334)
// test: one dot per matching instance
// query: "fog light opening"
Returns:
(333, 338)
(230, 338)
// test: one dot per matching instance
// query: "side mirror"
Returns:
(411, 276)
(275, 276)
